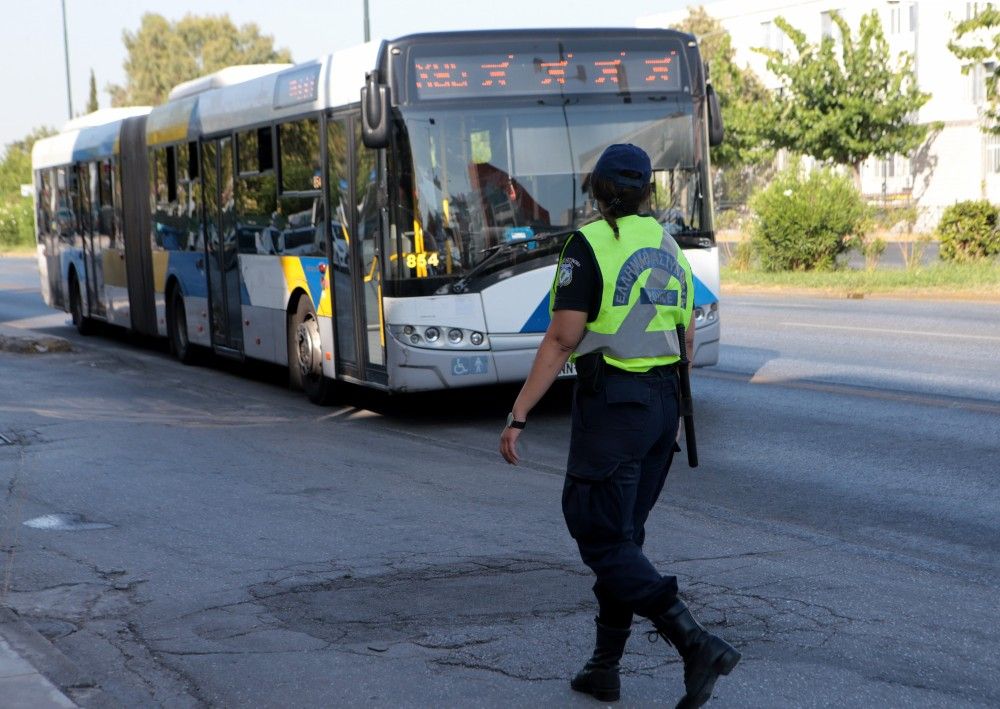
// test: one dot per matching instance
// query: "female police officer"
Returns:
(621, 289)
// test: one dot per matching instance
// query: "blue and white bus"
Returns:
(389, 215)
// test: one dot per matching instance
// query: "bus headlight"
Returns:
(706, 315)
(440, 337)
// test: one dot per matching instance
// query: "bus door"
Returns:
(220, 245)
(356, 226)
(99, 201)
(369, 224)
(86, 179)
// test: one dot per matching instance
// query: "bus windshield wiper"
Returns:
(462, 284)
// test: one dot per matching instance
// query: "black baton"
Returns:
(687, 407)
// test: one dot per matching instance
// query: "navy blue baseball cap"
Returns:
(624, 164)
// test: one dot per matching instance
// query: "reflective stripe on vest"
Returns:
(647, 292)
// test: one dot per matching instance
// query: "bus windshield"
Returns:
(481, 178)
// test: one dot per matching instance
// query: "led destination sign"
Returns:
(533, 72)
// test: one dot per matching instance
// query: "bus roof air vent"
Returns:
(224, 77)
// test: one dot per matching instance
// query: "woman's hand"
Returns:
(562, 336)
(508, 445)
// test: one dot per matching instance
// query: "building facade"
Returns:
(956, 163)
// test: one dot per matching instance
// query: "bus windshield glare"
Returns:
(480, 178)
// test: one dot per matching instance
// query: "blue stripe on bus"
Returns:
(539, 319)
(184, 265)
(310, 267)
(702, 295)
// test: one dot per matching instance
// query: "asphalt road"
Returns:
(842, 529)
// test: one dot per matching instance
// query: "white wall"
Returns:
(954, 165)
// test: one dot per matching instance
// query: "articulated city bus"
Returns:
(389, 215)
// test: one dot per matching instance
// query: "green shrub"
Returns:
(969, 231)
(872, 249)
(17, 224)
(803, 224)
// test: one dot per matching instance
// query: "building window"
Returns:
(977, 84)
(829, 28)
(772, 36)
(972, 9)
(913, 17)
(894, 19)
(993, 154)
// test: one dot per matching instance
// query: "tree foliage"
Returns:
(92, 104)
(16, 218)
(967, 44)
(969, 231)
(845, 99)
(743, 98)
(162, 54)
(801, 224)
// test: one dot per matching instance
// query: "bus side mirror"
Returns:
(374, 113)
(715, 129)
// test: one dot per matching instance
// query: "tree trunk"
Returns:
(856, 173)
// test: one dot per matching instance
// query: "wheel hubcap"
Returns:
(310, 351)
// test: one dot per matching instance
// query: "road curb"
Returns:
(30, 342)
(858, 294)
(35, 649)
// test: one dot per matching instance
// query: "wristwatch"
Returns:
(511, 423)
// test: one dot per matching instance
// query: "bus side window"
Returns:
(168, 229)
(340, 217)
(298, 151)
(64, 217)
(366, 194)
(116, 187)
(43, 185)
(73, 191)
(257, 230)
(299, 216)
(106, 211)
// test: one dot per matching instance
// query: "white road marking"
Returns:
(885, 330)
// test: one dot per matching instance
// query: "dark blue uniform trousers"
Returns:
(622, 443)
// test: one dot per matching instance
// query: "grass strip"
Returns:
(973, 280)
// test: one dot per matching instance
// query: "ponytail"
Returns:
(614, 201)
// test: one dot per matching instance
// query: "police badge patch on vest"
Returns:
(566, 267)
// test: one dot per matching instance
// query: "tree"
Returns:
(846, 103)
(16, 218)
(743, 98)
(92, 104)
(976, 54)
(162, 54)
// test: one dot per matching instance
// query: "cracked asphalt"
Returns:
(841, 531)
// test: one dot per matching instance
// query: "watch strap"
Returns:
(513, 423)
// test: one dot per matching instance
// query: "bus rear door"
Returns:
(221, 247)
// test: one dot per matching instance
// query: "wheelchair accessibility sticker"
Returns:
(465, 366)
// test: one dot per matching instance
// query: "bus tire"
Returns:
(305, 355)
(177, 330)
(83, 324)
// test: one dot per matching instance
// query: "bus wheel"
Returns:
(305, 355)
(180, 345)
(84, 325)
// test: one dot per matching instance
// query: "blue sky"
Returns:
(32, 47)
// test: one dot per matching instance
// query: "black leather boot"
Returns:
(599, 677)
(706, 656)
